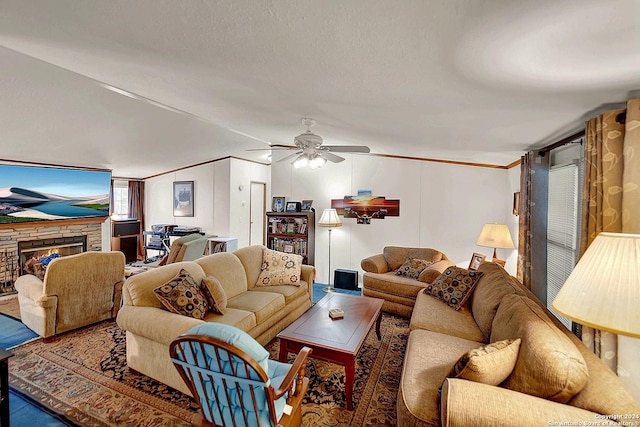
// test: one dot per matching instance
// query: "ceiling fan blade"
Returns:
(330, 156)
(347, 148)
(276, 148)
(290, 156)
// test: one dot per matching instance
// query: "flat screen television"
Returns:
(33, 193)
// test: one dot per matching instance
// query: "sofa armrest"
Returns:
(472, 404)
(434, 271)
(32, 288)
(375, 264)
(308, 274)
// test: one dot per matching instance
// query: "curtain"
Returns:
(136, 210)
(524, 219)
(611, 203)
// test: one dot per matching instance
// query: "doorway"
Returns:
(257, 215)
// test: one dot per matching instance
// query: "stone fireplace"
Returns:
(21, 242)
(35, 255)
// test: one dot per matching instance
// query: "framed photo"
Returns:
(306, 205)
(278, 204)
(293, 206)
(476, 260)
(183, 198)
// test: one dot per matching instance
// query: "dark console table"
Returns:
(4, 387)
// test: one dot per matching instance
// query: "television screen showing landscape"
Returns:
(29, 193)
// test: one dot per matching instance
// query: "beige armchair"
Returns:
(77, 290)
(187, 248)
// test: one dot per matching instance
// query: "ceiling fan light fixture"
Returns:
(317, 162)
(301, 162)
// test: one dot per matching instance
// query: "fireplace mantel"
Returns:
(51, 222)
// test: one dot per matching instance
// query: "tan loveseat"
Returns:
(77, 290)
(380, 279)
(261, 311)
(556, 378)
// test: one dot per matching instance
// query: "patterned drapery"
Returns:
(611, 203)
(136, 210)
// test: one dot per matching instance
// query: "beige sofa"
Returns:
(261, 311)
(398, 292)
(77, 290)
(555, 379)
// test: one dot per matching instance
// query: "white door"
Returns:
(258, 217)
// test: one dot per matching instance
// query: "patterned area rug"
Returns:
(82, 375)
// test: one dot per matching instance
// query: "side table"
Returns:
(4, 387)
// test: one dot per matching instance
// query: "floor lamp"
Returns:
(329, 219)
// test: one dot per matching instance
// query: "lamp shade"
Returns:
(329, 218)
(603, 290)
(495, 236)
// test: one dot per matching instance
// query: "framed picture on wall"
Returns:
(183, 198)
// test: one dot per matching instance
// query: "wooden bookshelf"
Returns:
(292, 232)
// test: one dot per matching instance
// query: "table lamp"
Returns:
(496, 236)
(603, 290)
(329, 219)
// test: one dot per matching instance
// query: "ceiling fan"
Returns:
(310, 151)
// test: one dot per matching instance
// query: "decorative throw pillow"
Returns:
(490, 364)
(215, 294)
(279, 268)
(412, 267)
(454, 286)
(182, 295)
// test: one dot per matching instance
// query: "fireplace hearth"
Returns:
(35, 255)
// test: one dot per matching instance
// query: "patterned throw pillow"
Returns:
(215, 294)
(279, 268)
(490, 364)
(412, 267)
(182, 295)
(454, 286)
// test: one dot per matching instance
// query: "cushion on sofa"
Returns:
(433, 271)
(263, 305)
(427, 362)
(251, 259)
(227, 268)
(549, 365)
(412, 267)
(434, 315)
(454, 286)
(279, 268)
(214, 292)
(183, 295)
(397, 255)
(490, 364)
(492, 286)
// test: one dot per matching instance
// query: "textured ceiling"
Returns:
(466, 80)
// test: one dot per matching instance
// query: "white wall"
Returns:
(442, 205)
(220, 207)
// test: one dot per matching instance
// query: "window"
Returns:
(121, 199)
(563, 219)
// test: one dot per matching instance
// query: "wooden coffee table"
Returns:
(337, 341)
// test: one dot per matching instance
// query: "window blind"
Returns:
(562, 230)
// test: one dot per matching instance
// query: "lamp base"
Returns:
(329, 288)
(500, 262)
